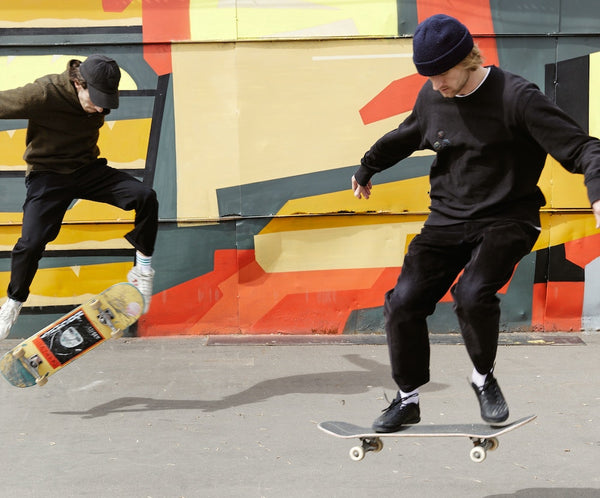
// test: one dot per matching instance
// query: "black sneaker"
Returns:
(397, 414)
(493, 405)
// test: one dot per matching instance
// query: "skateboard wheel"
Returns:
(42, 380)
(19, 352)
(117, 334)
(95, 304)
(478, 454)
(357, 453)
(377, 445)
(493, 444)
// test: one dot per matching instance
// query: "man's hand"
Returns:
(360, 192)
(596, 209)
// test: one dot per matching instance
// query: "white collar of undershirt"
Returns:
(487, 72)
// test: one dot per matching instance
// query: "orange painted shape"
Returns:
(248, 300)
(166, 21)
(398, 97)
(162, 23)
(115, 5)
(583, 251)
(177, 309)
(564, 304)
(158, 57)
(448, 296)
(323, 304)
(475, 14)
(538, 306)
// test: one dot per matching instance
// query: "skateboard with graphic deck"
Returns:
(43, 354)
(484, 437)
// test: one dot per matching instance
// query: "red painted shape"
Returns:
(166, 21)
(474, 14)
(583, 251)
(162, 23)
(238, 296)
(447, 298)
(538, 306)
(564, 304)
(115, 5)
(158, 57)
(175, 310)
(400, 95)
(325, 311)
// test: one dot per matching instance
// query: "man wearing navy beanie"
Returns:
(491, 132)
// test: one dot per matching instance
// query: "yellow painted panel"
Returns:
(363, 246)
(273, 110)
(206, 160)
(71, 285)
(372, 241)
(12, 145)
(125, 142)
(294, 223)
(209, 21)
(562, 188)
(83, 236)
(565, 227)
(19, 70)
(97, 211)
(75, 13)
(410, 195)
(81, 211)
(319, 18)
(214, 20)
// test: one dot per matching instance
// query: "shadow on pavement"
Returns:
(335, 383)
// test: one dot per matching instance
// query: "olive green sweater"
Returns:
(61, 136)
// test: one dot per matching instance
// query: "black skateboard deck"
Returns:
(483, 436)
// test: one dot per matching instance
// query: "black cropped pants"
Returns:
(488, 253)
(49, 195)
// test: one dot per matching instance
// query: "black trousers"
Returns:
(488, 253)
(49, 195)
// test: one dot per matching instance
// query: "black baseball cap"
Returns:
(102, 75)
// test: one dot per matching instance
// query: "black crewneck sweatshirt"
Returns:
(491, 146)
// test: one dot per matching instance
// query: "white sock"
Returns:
(143, 262)
(477, 378)
(409, 397)
(13, 303)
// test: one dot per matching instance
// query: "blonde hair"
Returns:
(473, 60)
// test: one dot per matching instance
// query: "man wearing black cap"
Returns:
(491, 132)
(65, 113)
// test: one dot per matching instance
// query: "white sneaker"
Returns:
(8, 316)
(143, 281)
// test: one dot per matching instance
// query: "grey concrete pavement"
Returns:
(185, 417)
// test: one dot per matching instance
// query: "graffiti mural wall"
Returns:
(249, 118)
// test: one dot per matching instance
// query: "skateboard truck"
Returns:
(483, 436)
(374, 444)
(74, 334)
(105, 316)
(478, 453)
(31, 364)
(481, 446)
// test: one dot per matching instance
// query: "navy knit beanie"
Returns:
(439, 44)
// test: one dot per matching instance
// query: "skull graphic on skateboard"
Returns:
(87, 326)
